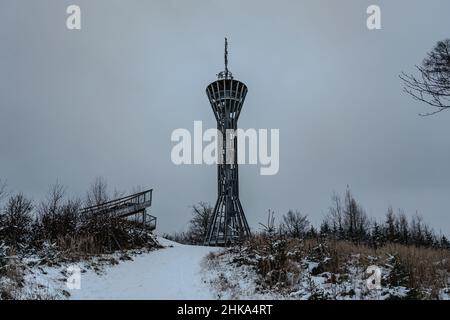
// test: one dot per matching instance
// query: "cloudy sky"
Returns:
(104, 100)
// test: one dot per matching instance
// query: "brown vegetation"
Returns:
(280, 263)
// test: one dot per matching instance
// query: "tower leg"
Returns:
(228, 225)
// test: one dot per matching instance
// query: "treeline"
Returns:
(346, 220)
(57, 224)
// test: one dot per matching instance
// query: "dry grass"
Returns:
(79, 247)
(426, 268)
(423, 270)
(12, 278)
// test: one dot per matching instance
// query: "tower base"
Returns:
(228, 225)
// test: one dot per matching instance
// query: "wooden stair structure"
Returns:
(132, 207)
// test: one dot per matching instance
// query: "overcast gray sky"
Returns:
(104, 100)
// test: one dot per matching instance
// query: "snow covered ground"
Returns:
(235, 276)
(174, 272)
(170, 273)
(183, 272)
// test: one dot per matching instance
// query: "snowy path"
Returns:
(169, 273)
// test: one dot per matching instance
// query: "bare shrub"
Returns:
(295, 224)
(56, 217)
(97, 193)
(15, 221)
(198, 226)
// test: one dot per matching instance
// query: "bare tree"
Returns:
(200, 221)
(355, 219)
(403, 227)
(98, 192)
(70, 216)
(295, 224)
(418, 228)
(49, 211)
(391, 231)
(57, 217)
(433, 84)
(335, 216)
(15, 220)
(53, 201)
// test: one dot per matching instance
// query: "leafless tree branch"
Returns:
(433, 85)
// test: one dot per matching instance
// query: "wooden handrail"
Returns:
(123, 200)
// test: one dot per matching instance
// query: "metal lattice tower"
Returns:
(228, 224)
